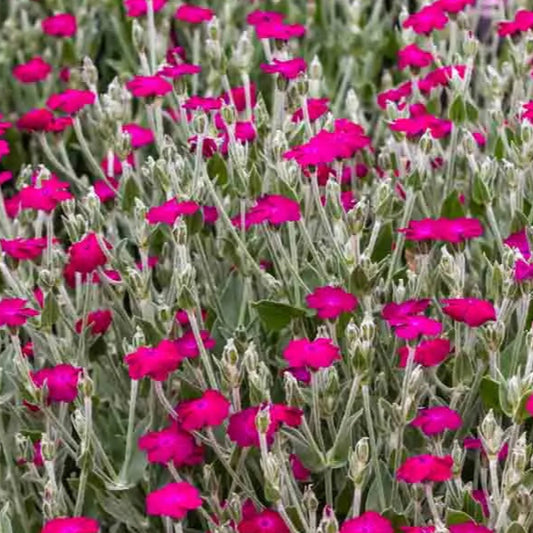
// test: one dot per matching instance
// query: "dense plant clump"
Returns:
(265, 266)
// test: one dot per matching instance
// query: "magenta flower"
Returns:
(243, 431)
(299, 471)
(279, 30)
(528, 406)
(148, 86)
(61, 382)
(194, 14)
(469, 527)
(413, 56)
(417, 529)
(187, 346)
(273, 208)
(330, 302)
(87, 255)
(173, 500)
(71, 101)
(319, 353)
(428, 353)
(289, 69)
(14, 313)
(519, 241)
(206, 103)
(99, 322)
(34, 70)
(238, 96)
(444, 229)
(316, 107)
(35, 120)
(60, 25)
(210, 410)
(394, 310)
(418, 125)
(44, 197)
(454, 6)
(369, 521)
(80, 524)
(266, 521)
(139, 136)
(411, 326)
(168, 212)
(522, 22)
(398, 95)
(471, 311)
(139, 8)
(429, 18)
(178, 70)
(424, 468)
(436, 420)
(23, 249)
(480, 497)
(260, 17)
(440, 77)
(471, 443)
(171, 444)
(103, 190)
(156, 363)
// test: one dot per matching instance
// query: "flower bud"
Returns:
(48, 448)
(137, 36)
(310, 500)
(329, 523)
(491, 435)
(262, 420)
(89, 73)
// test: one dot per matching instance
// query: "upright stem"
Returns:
(204, 356)
(134, 389)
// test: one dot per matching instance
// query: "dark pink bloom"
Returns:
(156, 363)
(471, 311)
(99, 321)
(436, 420)
(183, 318)
(5, 176)
(139, 136)
(523, 21)
(319, 353)
(444, 229)
(187, 347)
(61, 382)
(316, 107)
(289, 69)
(139, 8)
(171, 444)
(39, 296)
(279, 30)
(45, 197)
(428, 353)
(299, 471)
(34, 70)
(64, 74)
(14, 313)
(301, 373)
(424, 468)
(4, 126)
(523, 271)
(104, 192)
(79, 524)
(480, 138)
(529, 405)
(210, 214)
(398, 95)
(454, 6)
(368, 522)
(413, 56)
(348, 200)
(209, 146)
(480, 497)
(168, 212)
(194, 14)
(4, 148)
(179, 69)
(261, 17)
(416, 126)
(242, 429)
(148, 86)
(469, 527)
(411, 326)
(330, 302)
(37, 454)
(238, 95)
(519, 240)
(60, 25)
(471, 443)
(173, 500)
(210, 410)
(417, 529)
(206, 103)
(407, 308)
(87, 255)
(429, 18)
(266, 521)
(71, 101)
(273, 208)
(23, 249)
(440, 77)
(35, 120)
(59, 124)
